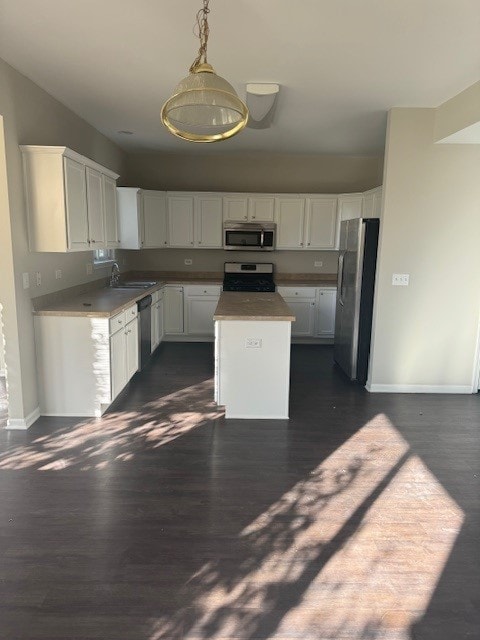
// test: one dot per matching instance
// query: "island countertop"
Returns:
(235, 305)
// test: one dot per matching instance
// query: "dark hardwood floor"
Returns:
(358, 518)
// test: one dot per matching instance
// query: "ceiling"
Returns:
(341, 64)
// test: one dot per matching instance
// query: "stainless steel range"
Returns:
(248, 276)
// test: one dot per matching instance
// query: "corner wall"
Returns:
(31, 116)
(424, 336)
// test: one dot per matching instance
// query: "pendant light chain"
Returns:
(202, 31)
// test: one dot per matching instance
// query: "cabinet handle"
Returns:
(253, 217)
(296, 293)
(119, 321)
(93, 241)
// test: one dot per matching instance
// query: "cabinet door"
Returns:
(235, 207)
(180, 221)
(118, 362)
(208, 222)
(304, 312)
(160, 322)
(153, 327)
(173, 300)
(200, 310)
(321, 223)
(95, 209)
(112, 237)
(131, 347)
(290, 218)
(76, 205)
(326, 303)
(261, 208)
(154, 219)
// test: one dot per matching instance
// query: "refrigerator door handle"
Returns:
(341, 259)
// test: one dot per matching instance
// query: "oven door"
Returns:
(248, 238)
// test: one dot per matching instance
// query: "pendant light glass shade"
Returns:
(204, 108)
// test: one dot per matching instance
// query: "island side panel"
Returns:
(253, 382)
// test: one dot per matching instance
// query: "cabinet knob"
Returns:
(119, 321)
(253, 217)
(296, 293)
(301, 244)
(191, 242)
(308, 243)
(199, 242)
(165, 242)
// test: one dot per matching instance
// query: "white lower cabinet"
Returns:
(301, 301)
(157, 319)
(325, 316)
(200, 304)
(83, 363)
(173, 309)
(124, 350)
(314, 309)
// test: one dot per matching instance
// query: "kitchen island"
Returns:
(252, 355)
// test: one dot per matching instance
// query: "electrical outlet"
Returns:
(38, 277)
(188, 261)
(400, 279)
(253, 343)
(58, 274)
(89, 268)
(26, 280)
(317, 263)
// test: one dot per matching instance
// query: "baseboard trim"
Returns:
(418, 388)
(21, 424)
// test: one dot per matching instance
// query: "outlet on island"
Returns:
(253, 343)
(188, 261)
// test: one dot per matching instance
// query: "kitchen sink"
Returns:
(133, 285)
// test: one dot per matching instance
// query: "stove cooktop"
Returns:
(248, 276)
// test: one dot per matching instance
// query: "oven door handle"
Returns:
(262, 238)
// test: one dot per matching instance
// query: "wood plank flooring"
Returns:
(357, 519)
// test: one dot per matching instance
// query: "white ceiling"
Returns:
(341, 63)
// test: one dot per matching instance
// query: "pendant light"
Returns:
(204, 107)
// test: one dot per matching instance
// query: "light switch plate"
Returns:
(89, 268)
(58, 274)
(400, 279)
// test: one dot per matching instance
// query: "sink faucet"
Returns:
(115, 274)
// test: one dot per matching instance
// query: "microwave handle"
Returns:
(262, 238)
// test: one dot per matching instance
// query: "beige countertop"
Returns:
(235, 305)
(98, 303)
(106, 302)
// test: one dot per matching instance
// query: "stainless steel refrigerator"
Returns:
(356, 281)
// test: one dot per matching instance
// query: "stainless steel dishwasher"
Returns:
(145, 333)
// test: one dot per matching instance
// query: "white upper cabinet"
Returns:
(154, 219)
(290, 219)
(235, 207)
(65, 197)
(112, 237)
(95, 208)
(261, 207)
(350, 206)
(372, 203)
(248, 207)
(321, 222)
(208, 221)
(75, 207)
(180, 208)
(142, 218)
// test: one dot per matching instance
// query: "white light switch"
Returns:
(400, 279)
(26, 280)
(253, 343)
(89, 268)
(58, 274)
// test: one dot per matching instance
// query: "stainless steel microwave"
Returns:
(249, 236)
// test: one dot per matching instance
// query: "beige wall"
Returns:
(31, 116)
(460, 113)
(425, 335)
(214, 259)
(259, 172)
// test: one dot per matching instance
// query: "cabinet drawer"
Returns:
(203, 290)
(131, 313)
(297, 292)
(117, 322)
